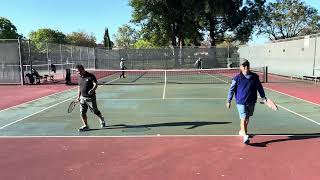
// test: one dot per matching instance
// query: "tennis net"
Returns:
(180, 76)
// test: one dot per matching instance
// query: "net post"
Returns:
(266, 74)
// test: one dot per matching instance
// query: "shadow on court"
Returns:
(290, 137)
(192, 125)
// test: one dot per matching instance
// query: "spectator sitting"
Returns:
(30, 77)
(36, 75)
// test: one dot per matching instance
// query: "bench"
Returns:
(313, 78)
(45, 77)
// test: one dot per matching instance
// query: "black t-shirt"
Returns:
(86, 83)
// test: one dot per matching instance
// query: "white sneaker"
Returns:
(246, 139)
(102, 123)
(84, 128)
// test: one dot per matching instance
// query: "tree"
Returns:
(180, 21)
(42, 36)
(106, 40)
(168, 21)
(143, 44)
(81, 39)
(7, 29)
(126, 36)
(231, 17)
(288, 18)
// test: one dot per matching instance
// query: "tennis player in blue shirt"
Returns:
(245, 86)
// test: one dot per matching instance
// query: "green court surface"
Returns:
(165, 109)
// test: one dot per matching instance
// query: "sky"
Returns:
(67, 15)
(78, 15)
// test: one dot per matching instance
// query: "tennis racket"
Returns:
(270, 104)
(73, 104)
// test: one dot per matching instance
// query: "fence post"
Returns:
(61, 61)
(314, 56)
(48, 61)
(29, 54)
(80, 54)
(88, 57)
(95, 58)
(20, 61)
(71, 55)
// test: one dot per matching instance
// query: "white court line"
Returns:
(292, 96)
(159, 136)
(41, 110)
(46, 97)
(309, 119)
(218, 78)
(110, 82)
(151, 99)
(38, 99)
(165, 85)
(35, 113)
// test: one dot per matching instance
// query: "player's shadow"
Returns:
(191, 125)
(290, 137)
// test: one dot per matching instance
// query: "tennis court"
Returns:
(183, 102)
(161, 125)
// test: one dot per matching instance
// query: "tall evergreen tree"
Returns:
(106, 39)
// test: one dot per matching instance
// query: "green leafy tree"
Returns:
(168, 21)
(41, 37)
(165, 22)
(143, 44)
(7, 29)
(231, 17)
(126, 36)
(181, 22)
(289, 18)
(81, 39)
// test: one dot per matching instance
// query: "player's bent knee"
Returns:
(98, 113)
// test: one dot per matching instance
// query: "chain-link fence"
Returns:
(41, 56)
(167, 58)
(21, 57)
(10, 60)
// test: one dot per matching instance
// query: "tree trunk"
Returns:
(212, 51)
(212, 28)
(181, 44)
(174, 44)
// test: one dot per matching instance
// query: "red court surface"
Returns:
(159, 158)
(13, 95)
